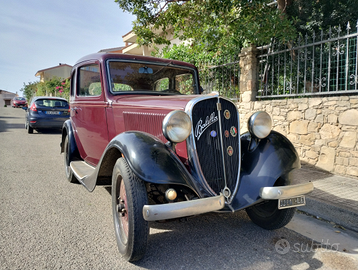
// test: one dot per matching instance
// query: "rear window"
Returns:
(51, 103)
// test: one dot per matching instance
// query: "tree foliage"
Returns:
(210, 25)
(225, 26)
(54, 87)
(29, 90)
(186, 53)
(321, 15)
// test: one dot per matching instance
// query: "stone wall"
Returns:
(323, 129)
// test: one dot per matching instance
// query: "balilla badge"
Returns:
(201, 127)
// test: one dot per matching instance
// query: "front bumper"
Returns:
(183, 209)
(18, 105)
(284, 192)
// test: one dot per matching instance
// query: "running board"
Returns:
(81, 170)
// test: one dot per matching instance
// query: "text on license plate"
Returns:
(52, 112)
(291, 202)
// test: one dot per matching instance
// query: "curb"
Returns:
(331, 212)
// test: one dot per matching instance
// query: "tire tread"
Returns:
(136, 198)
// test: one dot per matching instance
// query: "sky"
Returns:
(39, 34)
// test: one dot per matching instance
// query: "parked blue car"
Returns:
(46, 113)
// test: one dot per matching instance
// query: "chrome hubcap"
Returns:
(121, 208)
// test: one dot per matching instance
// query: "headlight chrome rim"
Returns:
(260, 124)
(176, 126)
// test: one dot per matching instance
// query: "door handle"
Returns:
(76, 109)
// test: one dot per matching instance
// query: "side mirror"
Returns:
(24, 108)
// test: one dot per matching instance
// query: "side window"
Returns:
(73, 84)
(162, 84)
(89, 81)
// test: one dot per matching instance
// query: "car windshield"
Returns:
(51, 103)
(19, 98)
(138, 77)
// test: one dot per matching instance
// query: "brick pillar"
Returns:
(248, 73)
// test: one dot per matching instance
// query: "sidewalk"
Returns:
(335, 198)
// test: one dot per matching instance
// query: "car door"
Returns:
(88, 112)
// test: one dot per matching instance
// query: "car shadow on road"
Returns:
(5, 127)
(225, 241)
(48, 131)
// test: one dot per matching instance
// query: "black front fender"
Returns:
(150, 159)
(262, 165)
(67, 130)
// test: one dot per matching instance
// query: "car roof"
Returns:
(47, 97)
(103, 56)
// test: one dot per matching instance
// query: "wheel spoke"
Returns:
(122, 211)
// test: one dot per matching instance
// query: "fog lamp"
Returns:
(260, 124)
(171, 194)
(176, 126)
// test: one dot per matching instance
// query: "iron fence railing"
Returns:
(222, 76)
(313, 65)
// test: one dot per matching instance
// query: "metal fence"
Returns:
(222, 76)
(314, 65)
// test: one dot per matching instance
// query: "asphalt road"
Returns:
(48, 223)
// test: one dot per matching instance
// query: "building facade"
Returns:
(62, 71)
(6, 97)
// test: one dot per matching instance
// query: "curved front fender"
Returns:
(148, 157)
(67, 130)
(273, 157)
(151, 160)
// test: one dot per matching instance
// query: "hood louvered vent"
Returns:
(147, 122)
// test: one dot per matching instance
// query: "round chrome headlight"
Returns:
(260, 124)
(176, 126)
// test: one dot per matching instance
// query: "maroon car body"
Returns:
(141, 125)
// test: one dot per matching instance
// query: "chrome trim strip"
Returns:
(222, 147)
(284, 192)
(183, 209)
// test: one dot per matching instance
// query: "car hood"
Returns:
(167, 102)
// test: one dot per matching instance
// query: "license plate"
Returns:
(291, 202)
(52, 112)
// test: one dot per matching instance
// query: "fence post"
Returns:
(248, 75)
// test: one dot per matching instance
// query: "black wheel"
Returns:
(30, 130)
(268, 216)
(129, 195)
(69, 174)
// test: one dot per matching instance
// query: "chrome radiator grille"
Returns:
(216, 139)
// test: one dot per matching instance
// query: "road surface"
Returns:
(49, 223)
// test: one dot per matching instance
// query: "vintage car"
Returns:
(141, 125)
(46, 113)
